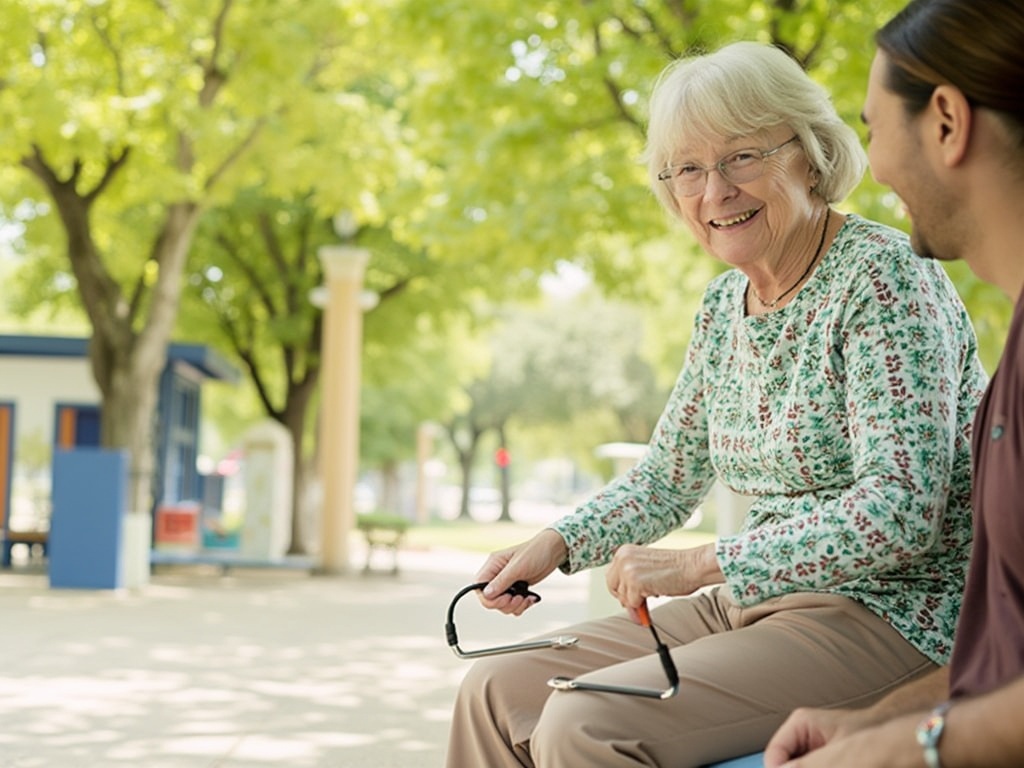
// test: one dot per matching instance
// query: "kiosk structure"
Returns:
(50, 403)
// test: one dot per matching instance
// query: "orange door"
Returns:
(6, 454)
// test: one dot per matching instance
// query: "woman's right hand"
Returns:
(532, 561)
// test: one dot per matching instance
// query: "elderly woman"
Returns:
(832, 375)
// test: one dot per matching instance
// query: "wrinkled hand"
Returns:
(637, 573)
(531, 561)
(806, 730)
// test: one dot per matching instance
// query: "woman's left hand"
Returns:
(637, 573)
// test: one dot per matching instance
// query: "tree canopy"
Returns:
(146, 145)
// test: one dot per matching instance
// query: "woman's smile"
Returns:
(734, 221)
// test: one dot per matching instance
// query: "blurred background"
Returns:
(171, 171)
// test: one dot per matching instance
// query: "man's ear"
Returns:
(952, 121)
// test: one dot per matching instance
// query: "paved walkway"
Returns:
(253, 668)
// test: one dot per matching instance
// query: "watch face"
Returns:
(930, 729)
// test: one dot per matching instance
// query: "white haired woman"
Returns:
(832, 375)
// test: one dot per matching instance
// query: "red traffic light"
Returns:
(502, 458)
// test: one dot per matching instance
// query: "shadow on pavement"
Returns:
(246, 669)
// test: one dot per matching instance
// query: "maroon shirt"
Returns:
(989, 647)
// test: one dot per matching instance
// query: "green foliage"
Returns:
(535, 123)
(990, 312)
(477, 157)
(253, 269)
(537, 116)
(207, 98)
(253, 266)
(401, 391)
(571, 368)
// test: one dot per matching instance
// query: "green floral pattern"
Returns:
(847, 413)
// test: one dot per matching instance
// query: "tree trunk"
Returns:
(127, 365)
(504, 477)
(390, 488)
(129, 413)
(466, 466)
(127, 353)
(465, 442)
(294, 420)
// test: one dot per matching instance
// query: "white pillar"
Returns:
(424, 450)
(341, 357)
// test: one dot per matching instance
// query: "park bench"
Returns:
(37, 541)
(382, 532)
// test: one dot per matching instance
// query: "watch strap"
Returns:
(929, 733)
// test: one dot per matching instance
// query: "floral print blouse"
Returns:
(847, 413)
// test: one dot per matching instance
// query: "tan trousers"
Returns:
(742, 671)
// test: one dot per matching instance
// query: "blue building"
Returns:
(49, 401)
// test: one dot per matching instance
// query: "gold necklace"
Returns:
(785, 293)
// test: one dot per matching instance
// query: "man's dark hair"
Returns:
(975, 45)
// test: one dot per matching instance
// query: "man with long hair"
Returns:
(945, 113)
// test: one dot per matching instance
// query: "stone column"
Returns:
(341, 355)
(424, 451)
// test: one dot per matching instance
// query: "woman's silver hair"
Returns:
(739, 90)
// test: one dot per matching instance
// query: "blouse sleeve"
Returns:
(906, 355)
(660, 493)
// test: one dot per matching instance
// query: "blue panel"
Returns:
(748, 761)
(205, 360)
(44, 346)
(89, 492)
(87, 427)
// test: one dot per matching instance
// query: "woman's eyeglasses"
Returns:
(739, 167)
(521, 588)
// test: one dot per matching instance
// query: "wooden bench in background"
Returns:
(37, 541)
(382, 532)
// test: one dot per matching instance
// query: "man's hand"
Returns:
(807, 730)
(811, 729)
(891, 745)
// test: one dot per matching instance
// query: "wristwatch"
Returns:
(929, 731)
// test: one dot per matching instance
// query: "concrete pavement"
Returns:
(253, 668)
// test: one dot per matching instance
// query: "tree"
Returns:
(534, 116)
(413, 358)
(552, 364)
(255, 265)
(547, 101)
(132, 117)
(258, 265)
(493, 149)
